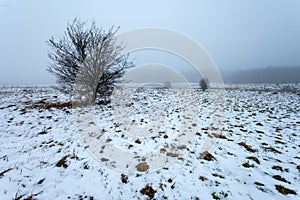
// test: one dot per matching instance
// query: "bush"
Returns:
(203, 84)
(88, 56)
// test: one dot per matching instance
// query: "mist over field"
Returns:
(263, 75)
(237, 35)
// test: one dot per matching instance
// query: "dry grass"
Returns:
(254, 159)
(149, 191)
(170, 154)
(202, 178)
(124, 178)
(219, 136)
(284, 190)
(271, 149)
(277, 168)
(5, 171)
(259, 184)
(247, 147)
(207, 156)
(62, 162)
(279, 178)
(42, 104)
(247, 164)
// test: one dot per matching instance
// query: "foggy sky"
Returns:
(236, 34)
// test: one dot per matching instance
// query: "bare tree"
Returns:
(88, 56)
(203, 84)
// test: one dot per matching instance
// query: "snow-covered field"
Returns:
(257, 156)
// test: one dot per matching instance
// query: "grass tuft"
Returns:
(284, 190)
(247, 147)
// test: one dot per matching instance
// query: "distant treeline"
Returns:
(263, 75)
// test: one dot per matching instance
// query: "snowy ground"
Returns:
(256, 157)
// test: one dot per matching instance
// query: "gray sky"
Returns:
(236, 34)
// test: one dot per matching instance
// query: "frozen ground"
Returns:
(256, 157)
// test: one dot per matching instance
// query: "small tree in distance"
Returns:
(203, 84)
(91, 51)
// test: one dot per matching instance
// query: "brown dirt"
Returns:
(247, 147)
(149, 191)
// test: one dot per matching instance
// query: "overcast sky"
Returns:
(236, 34)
